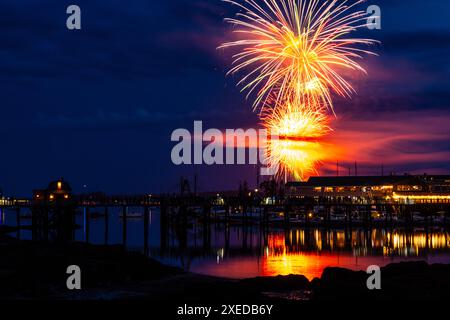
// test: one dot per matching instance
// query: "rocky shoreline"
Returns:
(37, 271)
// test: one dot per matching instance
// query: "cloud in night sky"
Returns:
(418, 145)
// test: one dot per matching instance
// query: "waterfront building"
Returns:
(57, 191)
(407, 189)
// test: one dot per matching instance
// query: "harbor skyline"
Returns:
(302, 229)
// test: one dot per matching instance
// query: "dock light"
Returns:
(421, 197)
(66, 196)
(256, 190)
(310, 215)
(52, 197)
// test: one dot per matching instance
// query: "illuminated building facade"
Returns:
(407, 189)
(58, 191)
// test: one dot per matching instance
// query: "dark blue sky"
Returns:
(98, 105)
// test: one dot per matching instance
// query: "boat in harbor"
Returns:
(132, 215)
(418, 217)
(337, 215)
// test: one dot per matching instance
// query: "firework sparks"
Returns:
(299, 159)
(297, 122)
(297, 149)
(294, 49)
(292, 54)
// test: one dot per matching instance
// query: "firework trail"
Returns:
(295, 49)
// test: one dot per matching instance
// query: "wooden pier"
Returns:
(179, 212)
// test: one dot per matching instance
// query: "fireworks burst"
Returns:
(292, 54)
(296, 150)
(297, 122)
(298, 159)
(294, 49)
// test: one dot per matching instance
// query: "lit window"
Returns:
(59, 185)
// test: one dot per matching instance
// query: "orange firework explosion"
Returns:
(297, 122)
(298, 159)
(293, 49)
(296, 149)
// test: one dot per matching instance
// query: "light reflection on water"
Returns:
(309, 252)
(242, 252)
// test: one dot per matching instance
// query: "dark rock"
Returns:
(39, 269)
(401, 281)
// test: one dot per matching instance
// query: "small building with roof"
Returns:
(58, 191)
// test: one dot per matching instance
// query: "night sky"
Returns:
(98, 106)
